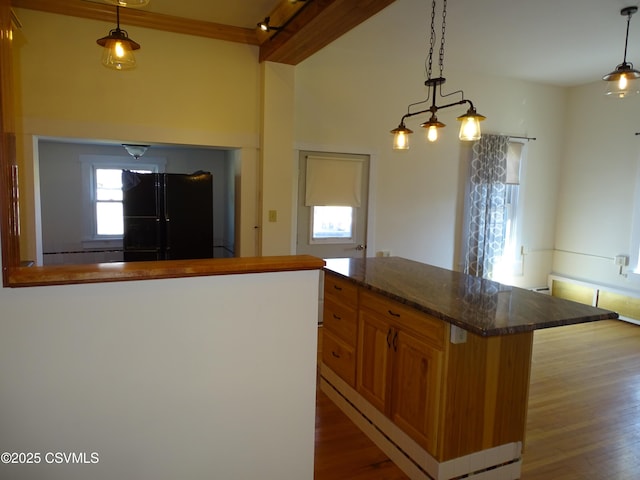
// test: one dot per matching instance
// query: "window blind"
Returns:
(333, 182)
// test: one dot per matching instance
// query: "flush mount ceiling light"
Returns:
(470, 127)
(623, 81)
(266, 27)
(118, 48)
(129, 3)
(136, 151)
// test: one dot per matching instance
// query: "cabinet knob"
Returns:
(335, 354)
(393, 314)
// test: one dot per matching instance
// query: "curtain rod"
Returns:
(528, 138)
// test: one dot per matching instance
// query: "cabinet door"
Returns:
(374, 359)
(416, 391)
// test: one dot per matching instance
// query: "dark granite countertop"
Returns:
(480, 306)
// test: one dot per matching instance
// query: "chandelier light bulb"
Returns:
(470, 129)
(622, 83)
(401, 141)
(401, 137)
(432, 133)
(118, 50)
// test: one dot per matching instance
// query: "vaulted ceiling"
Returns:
(560, 42)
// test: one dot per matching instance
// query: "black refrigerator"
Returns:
(167, 216)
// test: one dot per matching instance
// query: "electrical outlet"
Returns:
(457, 335)
(621, 260)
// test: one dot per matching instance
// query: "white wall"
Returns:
(598, 185)
(164, 379)
(349, 101)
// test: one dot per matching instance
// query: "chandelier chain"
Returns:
(432, 41)
(444, 26)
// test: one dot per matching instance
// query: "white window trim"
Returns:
(89, 164)
(634, 256)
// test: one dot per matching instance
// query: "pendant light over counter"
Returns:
(470, 126)
(624, 80)
(118, 48)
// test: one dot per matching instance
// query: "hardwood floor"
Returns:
(583, 419)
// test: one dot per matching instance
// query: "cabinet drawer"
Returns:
(340, 290)
(406, 318)
(339, 357)
(340, 320)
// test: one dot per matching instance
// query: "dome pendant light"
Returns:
(624, 80)
(118, 48)
(136, 151)
(470, 126)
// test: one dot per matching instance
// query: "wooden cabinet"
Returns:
(400, 359)
(340, 324)
(374, 359)
(433, 399)
(416, 389)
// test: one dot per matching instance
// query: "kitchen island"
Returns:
(433, 365)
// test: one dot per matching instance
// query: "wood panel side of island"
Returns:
(486, 392)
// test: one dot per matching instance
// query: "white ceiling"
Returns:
(561, 42)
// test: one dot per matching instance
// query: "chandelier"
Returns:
(470, 121)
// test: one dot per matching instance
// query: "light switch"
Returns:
(273, 215)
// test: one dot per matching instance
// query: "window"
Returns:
(102, 189)
(510, 262)
(492, 209)
(108, 201)
(108, 190)
(331, 224)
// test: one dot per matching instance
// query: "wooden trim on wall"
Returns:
(9, 238)
(127, 271)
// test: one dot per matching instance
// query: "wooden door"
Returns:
(374, 359)
(416, 389)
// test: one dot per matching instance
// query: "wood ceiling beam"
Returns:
(142, 18)
(317, 24)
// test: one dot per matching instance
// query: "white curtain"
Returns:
(333, 181)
